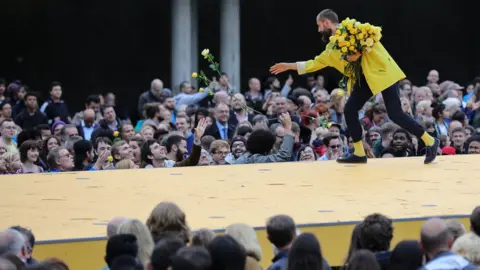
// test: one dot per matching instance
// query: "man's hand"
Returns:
(286, 121)
(200, 129)
(353, 57)
(281, 67)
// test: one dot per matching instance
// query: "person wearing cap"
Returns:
(380, 74)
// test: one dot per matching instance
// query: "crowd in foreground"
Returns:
(166, 242)
(273, 123)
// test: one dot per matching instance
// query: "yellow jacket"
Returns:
(379, 68)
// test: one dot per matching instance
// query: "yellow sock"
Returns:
(427, 139)
(359, 151)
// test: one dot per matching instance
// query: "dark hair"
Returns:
(24, 147)
(376, 233)
(30, 94)
(145, 152)
(4, 104)
(45, 145)
(126, 262)
(261, 141)
(81, 149)
(27, 232)
(363, 260)
(102, 132)
(244, 130)
(104, 140)
(327, 139)
(151, 110)
(29, 134)
(227, 254)
(160, 134)
(201, 111)
(3, 81)
(302, 148)
(354, 241)
(202, 237)
(458, 116)
(53, 84)
(404, 131)
(437, 110)
(173, 140)
(197, 256)
(328, 14)
(281, 230)
(164, 250)
(475, 220)
(121, 244)
(305, 253)
(473, 138)
(92, 99)
(407, 255)
(42, 127)
(458, 129)
(375, 108)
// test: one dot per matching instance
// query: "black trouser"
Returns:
(361, 94)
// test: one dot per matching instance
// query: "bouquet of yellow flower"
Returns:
(353, 37)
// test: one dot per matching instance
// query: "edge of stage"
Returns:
(68, 212)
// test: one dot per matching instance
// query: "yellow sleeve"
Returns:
(319, 62)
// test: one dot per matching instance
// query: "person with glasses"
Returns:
(334, 147)
(60, 160)
(219, 150)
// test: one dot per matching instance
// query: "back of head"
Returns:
(126, 262)
(435, 236)
(246, 236)
(202, 237)
(363, 260)
(261, 142)
(468, 246)
(281, 230)
(328, 14)
(305, 253)
(197, 256)
(407, 255)
(114, 224)
(11, 241)
(144, 238)
(475, 220)
(168, 219)
(121, 244)
(455, 228)
(164, 250)
(376, 233)
(227, 254)
(7, 265)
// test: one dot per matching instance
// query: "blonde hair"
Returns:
(217, 144)
(144, 238)
(409, 110)
(336, 97)
(125, 164)
(468, 246)
(168, 219)
(424, 105)
(9, 158)
(246, 236)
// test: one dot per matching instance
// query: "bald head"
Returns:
(221, 97)
(12, 241)
(156, 87)
(89, 115)
(435, 236)
(114, 224)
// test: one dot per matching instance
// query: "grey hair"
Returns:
(259, 118)
(11, 241)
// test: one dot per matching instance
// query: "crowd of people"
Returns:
(165, 241)
(273, 123)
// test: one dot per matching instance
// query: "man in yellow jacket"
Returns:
(380, 74)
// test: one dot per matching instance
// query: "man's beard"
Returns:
(180, 156)
(326, 35)
(238, 109)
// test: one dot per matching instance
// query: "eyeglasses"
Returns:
(336, 146)
(221, 153)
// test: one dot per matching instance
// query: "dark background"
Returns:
(94, 46)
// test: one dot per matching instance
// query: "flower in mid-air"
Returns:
(194, 75)
(201, 90)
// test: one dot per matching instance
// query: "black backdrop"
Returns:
(94, 46)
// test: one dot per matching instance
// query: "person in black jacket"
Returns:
(31, 116)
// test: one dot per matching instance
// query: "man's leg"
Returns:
(360, 95)
(397, 115)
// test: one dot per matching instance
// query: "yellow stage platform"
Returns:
(68, 212)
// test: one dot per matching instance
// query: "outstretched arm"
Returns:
(321, 61)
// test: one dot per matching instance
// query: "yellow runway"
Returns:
(68, 212)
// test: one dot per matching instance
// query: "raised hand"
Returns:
(200, 129)
(286, 121)
(353, 57)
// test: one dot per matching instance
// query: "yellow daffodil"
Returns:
(110, 159)
(370, 31)
(338, 32)
(344, 35)
(360, 36)
(368, 26)
(364, 31)
(377, 37)
(351, 48)
(194, 75)
(362, 42)
(344, 44)
(116, 133)
(201, 90)
(341, 93)
(344, 49)
(205, 53)
(369, 42)
(333, 39)
(346, 21)
(341, 38)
